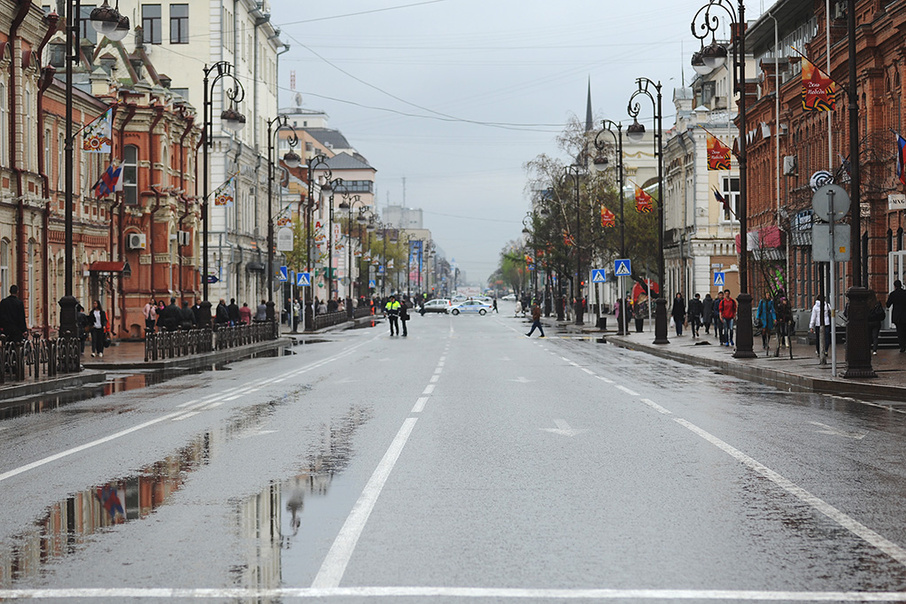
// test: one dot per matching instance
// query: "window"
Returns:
(151, 23)
(730, 190)
(61, 168)
(130, 175)
(48, 151)
(87, 31)
(3, 124)
(4, 266)
(27, 139)
(179, 24)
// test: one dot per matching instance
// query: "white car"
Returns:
(441, 305)
(509, 298)
(471, 307)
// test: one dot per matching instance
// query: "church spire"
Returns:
(589, 120)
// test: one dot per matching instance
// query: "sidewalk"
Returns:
(802, 373)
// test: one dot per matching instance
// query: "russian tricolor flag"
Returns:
(901, 167)
(111, 180)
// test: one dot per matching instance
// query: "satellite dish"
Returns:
(298, 99)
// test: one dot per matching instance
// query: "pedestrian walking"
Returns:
(221, 315)
(186, 317)
(640, 311)
(678, 312)
(392, 310)
(170, 317)
(495, 306)
(98, 329)
(261, 311)
(765, 318)
(12, 316)
(707, 312)
(150, 314)
(897, 300)
(404, 317)
(876, 315)
(536, 321)
(727, 309)
(696, 308)
(783, 323)
(84, 323)
(820, 308)
(233, 312)
(245, 314)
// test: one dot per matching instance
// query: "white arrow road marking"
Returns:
(564, 429)
(521, 380)
(834, 432)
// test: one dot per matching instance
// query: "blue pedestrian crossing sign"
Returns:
(283, 274)
(719, 279)
(598, 275)
(372, 284)
(303, 279)
(622, 268)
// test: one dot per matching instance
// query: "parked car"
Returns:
(471, 307)
(509, 298)
(442, 305)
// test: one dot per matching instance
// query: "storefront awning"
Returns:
(103, 266)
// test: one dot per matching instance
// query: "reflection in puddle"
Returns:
(68, 525)
(261, 519)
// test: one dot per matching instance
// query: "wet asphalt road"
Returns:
(463, 463)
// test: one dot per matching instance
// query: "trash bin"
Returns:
(602, 323)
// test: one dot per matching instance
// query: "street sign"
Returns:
(303, 279)
(821, 243)
(372, 284)
(282, 274)
(719, 279)
(819, 179)
(213, 279)
(622, 268)
(598, 275)
(827, 195)
(285, 239)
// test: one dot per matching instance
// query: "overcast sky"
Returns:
(454, 96)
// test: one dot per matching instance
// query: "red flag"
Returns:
(819, 92)
(901, 162)
(608, 218)
(724, 202)
(567, 240)
(643, 201)
(718, 154)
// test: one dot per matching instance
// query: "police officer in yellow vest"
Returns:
(392, 310)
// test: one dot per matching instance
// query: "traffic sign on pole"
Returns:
(303, 279)
(719, 279)
(283, 274)
(598, 275)
(622, 268)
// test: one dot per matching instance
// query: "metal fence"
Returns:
(37, 357)
(331, 318)
(172, 344)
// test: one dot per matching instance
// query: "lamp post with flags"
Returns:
(292, 160)
(108, 22)
(616, 131)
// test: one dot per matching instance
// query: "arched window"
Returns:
(4, 267)
(3, 120)
(32, 280)
(130, 174)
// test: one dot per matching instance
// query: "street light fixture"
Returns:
(636, 132)
(705, 24)
(349, 204)
(100, 18)
(292, 160)
(609, 126)
(328, 189)
(232, 121)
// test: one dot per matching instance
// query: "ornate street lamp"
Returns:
(704, 25)
(232, 121)
(292, 160)
(107, 21)
(349, 203)
(609, 127)
(636, 132)
(575, 171)
(328, 189)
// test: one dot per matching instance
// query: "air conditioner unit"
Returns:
(183, 237)
(136, 241)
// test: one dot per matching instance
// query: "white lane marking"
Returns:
(604, 379)
(434, 379)
(185, 416)
(89, 445)
(439, 370)
(588, 371)
(626, 390)
(521, 380)
(465, 593)
(573, 363)
(233, 398)
(278, 381)
(420, 404)
(565, 359)
(564, 428)
(848, 522)
(187, 403)
(656, 407)
(429, 389)
(834, 432)
(213, 405)
(334, 566)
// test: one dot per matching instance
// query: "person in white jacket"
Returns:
(814, 324)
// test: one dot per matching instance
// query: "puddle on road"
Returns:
(68, 525)
(272, 521)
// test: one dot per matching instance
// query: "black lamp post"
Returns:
(106, 21)
(575, 171)
(609, 127)
(705, 24)
(292, 160)
(315, 163)
(231, 120)
(328, 189)
(349, 203)
(636, 132)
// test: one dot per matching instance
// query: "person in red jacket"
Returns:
(728, 315)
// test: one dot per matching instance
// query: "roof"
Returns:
(345, 161)
(332, 139)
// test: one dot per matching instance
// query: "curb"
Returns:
(199, 360)
(771, 377)
(42, 386)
